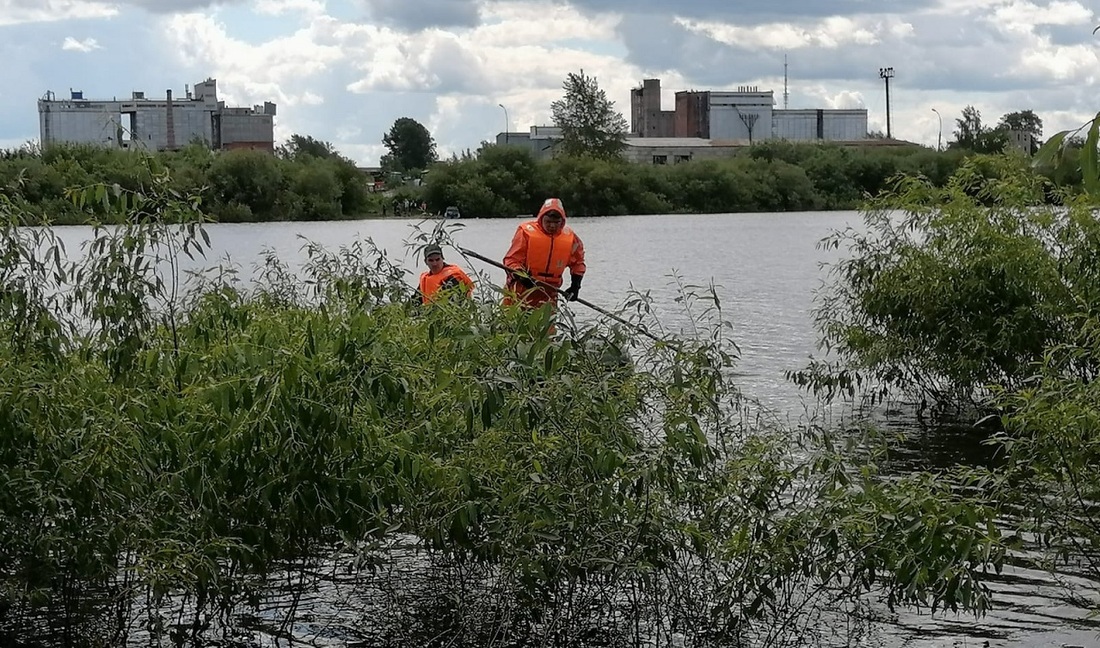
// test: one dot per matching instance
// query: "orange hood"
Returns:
(551, 205)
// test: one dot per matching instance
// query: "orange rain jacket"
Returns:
(544, 257)
(431, 285)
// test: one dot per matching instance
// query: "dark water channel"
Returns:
(766, 269)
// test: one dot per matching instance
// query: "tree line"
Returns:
(308, 180)
(305, 180)
(776, 176)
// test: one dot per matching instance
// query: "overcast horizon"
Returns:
(343, 71)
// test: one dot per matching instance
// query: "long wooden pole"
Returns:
(587, 303)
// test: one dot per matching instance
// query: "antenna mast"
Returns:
(786, 95)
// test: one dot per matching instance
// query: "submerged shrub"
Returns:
(946, 292)
(971, 296)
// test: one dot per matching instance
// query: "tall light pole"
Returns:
(886, 74)
(507, 123)
(939, 136)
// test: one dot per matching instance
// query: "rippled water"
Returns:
(766, 268)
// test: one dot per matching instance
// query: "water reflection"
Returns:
(936, 445)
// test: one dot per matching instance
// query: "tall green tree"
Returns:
(1026, 121)
(589, 123)
(969, 128)
(300, 145)
(972, 135)
(410, 146)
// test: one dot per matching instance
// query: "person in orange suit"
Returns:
(541, 251)
(441, 277)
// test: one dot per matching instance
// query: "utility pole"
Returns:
(939, 136)
(886, 74)
(786, 95)
(507, 122)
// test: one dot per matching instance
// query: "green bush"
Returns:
(249, 178)
(951, 291)
(206, 450)
(318, 190)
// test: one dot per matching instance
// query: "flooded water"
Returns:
(766, 269)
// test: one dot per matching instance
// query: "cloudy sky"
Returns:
(344, 70)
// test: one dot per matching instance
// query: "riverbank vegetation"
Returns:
(978, 298)
(188, 462)
(308, 180)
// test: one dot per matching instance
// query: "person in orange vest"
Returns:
(541, 250)
(441, 277)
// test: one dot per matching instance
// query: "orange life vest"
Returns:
(548, 256)
(431, 284)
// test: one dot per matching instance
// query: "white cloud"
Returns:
(1076, 62)
(521, 45)
(16, 12)
(900, 30)
(339, 75)
(448, 113)
(961, 8)
(1036, 54)
(845, 100)
(507, 24)
(250, 73)
(86, 45)
(281, 7)
(830, 33)
(1016, 16)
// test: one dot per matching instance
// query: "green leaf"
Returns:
(1090, 169)
(1051, 152)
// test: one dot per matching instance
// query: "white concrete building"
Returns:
(156, 124)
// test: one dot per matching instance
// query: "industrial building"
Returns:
(157, 124)
(646, 117)
(743, 114)
(673, 150)
(540, 140)
(1021, 141)
(712, 124)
